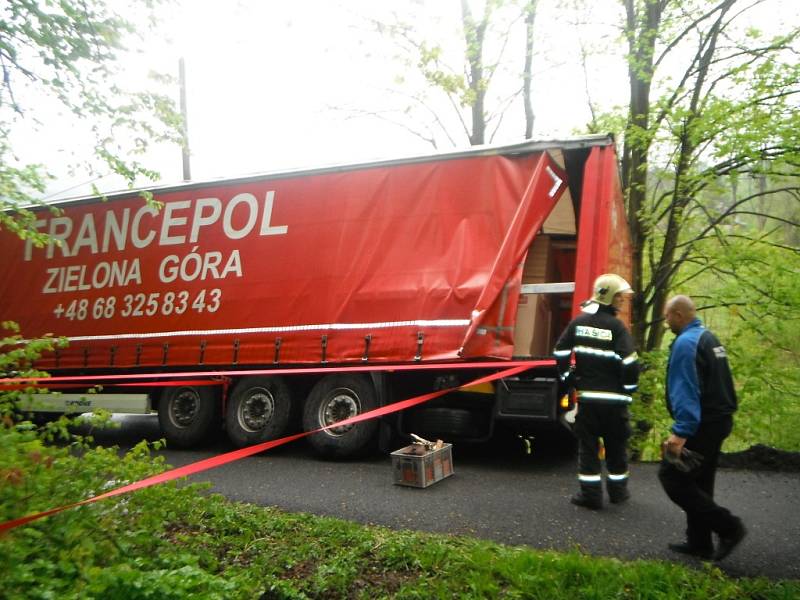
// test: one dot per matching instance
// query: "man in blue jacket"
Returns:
(701, 400)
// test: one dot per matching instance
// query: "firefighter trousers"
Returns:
(609, 422)
(694, 491)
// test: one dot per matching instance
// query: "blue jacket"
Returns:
(699, 381)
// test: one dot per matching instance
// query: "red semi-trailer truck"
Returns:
(420, 272)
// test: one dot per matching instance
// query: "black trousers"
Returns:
(607, 421)
(694, 491)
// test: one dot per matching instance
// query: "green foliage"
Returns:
(22, 353)
(461, 65)
(67, 52)
(430, 66)
(755, 313)
(16, 185)
(105, 550)
(649, 415)
(18, 360)
(747, 287)
(127, 582)
(608, 122)
(713, 101)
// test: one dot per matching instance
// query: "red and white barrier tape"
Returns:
(222, 459)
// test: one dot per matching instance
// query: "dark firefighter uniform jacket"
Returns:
(699, 380)
(606, 365)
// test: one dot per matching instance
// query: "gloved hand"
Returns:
(686, 461)
(570, 415)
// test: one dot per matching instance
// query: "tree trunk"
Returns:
(641, 31)
(474, 36)
(664, 273)
(530, 17)
(762, 201)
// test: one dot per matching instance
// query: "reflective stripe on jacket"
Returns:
(606, 365)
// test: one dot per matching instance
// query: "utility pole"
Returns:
(187, 172)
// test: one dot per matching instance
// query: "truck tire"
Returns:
(43, 418)
(335, 398)
(188, 415)
(444, 422)
(258, 410)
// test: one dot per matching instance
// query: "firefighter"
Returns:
(604, 375)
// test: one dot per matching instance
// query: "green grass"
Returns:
(174, 542)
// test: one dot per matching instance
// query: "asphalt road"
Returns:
(500, 493)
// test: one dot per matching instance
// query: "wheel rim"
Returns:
(183, 407)
(256, 410)
(340, 404)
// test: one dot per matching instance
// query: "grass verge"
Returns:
(172, 542)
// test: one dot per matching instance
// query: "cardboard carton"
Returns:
(532, 328)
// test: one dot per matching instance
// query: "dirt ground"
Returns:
(764, 458)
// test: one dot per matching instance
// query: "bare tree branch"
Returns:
(692, 26)
(732, 208)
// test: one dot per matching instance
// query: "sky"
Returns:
(267, 81)
(266, 85)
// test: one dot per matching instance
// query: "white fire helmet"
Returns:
(605, 288)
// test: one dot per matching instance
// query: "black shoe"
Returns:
(581, 499)
(728, 542)
(686, 548)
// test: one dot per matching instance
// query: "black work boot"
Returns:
(704, 553)
(728, 542)
(617, 491)
(590, 496)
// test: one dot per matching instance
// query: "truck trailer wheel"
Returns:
(188, 415)
(258, 410)
(335, 398)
